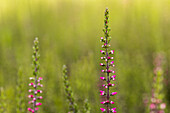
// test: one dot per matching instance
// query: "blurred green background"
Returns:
(69, 32)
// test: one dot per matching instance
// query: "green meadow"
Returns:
(69, 33)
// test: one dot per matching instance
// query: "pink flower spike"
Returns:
(102, 109)
(113, 93)
(102, 78)
(29, 109)
(111, 102)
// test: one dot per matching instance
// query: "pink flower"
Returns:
(30, 90)
(40, 78)
(102, 92)
(111, 62)
(39, 91)
(109, 58)
(163, 106)
(103, 58)
(111, 84)
(40, 97)
(103, 70)
(102, 109)
(33, 111)
(152, 106)
(113, 77)
(113, 93)
(111, 71)
(111, 102)
(34, 99)
(111, 52)
(103, 102)
(113, 110)
(31, 84)
(38, 104)
(30, 96)
(36, 109)
(102, 78)
(29, 109)
(102, 64)
(103, 52)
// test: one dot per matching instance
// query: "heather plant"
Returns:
(3, 104)
(107, 64)
(20, 98)
(157, 105)
(86, 106)
(35, 85)
(72, 104)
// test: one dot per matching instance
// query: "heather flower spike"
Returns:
(107, 64)
(72, 105)
(86, 106)
(35, 84)
(157, 105)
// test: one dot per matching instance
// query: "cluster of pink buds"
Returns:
(36, 82)
(107, 63)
